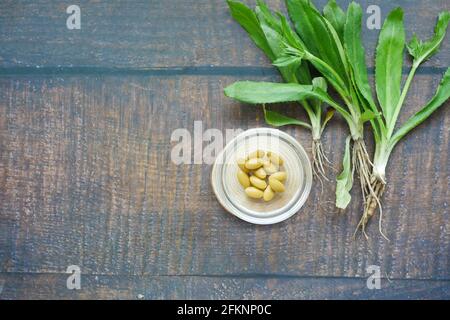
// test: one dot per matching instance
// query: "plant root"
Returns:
(320, 161)
(372, 202)
(371, 188)
(362, 165)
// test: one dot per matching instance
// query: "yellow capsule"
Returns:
(260, 173)
(243, 179)
(256, 154)
(265, 161)
(270, 168)
(276, 159)
(276, 185)
(268, 194)
(253, 163)
(241, 164)
(256, 182)
(280, 176)
(252, 192)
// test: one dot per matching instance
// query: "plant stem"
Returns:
(393, 119)
(352, 116)
(339, 83)
(380, 160)
(384, 148)
(315, 130)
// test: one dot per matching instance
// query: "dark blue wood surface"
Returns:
(86, 178)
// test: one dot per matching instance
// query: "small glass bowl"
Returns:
(231, 194)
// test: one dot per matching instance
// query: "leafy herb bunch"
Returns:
(330, 43)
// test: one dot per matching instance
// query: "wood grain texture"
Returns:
(53, 286)
(86, 178)
(158, 34)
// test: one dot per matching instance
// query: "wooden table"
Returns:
(86, 178)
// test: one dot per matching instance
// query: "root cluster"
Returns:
(320, 161)
(362, 165)
(372, 188)
(371, 202)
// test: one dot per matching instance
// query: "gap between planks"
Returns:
(172, 71)
(228, 276)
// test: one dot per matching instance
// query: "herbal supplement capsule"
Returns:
(270, 168)
(253, 163)
(276, 185)
(265, 161)
(241, 164)
(280, 176)
(268, 194)
(256, 154)
(276, 159)
(260, 184)
(254, 193)
(260, 173)
(243, 179)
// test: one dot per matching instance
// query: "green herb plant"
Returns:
(331, 44)
(324, 46)
(269, 32)
(391, 98)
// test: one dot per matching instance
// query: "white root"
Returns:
(320, 161)
(372, 189)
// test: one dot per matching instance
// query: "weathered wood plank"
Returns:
(86, 178)
(154, 34)
(53, 286)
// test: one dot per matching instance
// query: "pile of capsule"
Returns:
(259, 173)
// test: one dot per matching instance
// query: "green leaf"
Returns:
(441, 96)
(422, 51)
(287, 67)
(287, 61)
(344, 180)
(389, 62)
(368, 115)
(315, 34)
(291, 37)
(277, 120)
(339, 46)
(328, 116)
(274, 39)
(267, 92)
(248, 20)
(320, 83)
(356, 53)
(265, 31)
(271, 27)
(329, 73)
(336, 16)
(303, 74)
(265, 16)
(271, 92)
